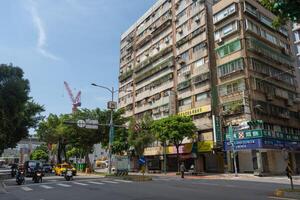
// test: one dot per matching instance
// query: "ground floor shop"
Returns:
(262, 155)
(198, 156)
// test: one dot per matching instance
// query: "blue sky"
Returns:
(67, 40)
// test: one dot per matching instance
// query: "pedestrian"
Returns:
(182, 169)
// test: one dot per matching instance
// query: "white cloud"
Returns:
(42, 37)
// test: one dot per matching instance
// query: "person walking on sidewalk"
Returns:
(182, 170)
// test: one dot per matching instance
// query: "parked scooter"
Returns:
(68, 175)
(37, 177)
(20, 178)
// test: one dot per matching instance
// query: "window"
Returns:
(227, 29)
(224, 13)
(184, 55)
(297, 35)
(268, 36)
(185, 101)
(267, 21)
(251, 9)
(252, 27)
(298, 48)
(229, 88)
(229, 48)
(199, 63)
(202, 96)
(231, 67)
(199, 47)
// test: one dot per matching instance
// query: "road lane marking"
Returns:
(97, 183)
(46, 186)
(27, 189)
(110, 182)
(124, 181)
(281, 198)
(77, 183)
(64, 185)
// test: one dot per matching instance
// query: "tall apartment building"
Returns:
(257, 81)
(165, 61)
(219, 63)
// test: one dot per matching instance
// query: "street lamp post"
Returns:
(111, 106)
(111, 124)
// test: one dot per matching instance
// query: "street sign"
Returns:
(81, 123)
(112, 105)
(142, 161)
(91, 124)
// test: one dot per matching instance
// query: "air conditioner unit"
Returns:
(180, 31)
(297, 100)
(197, 19)
(220, 40)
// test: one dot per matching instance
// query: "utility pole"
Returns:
(110, 105)
(231, 134)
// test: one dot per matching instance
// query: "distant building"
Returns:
(296, 31)
(22, 151)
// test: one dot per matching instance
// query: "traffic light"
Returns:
(255, 123)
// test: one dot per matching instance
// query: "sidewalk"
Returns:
(241, 177)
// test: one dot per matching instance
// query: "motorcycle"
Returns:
(37, 177)
(68, 175)
(20, 178)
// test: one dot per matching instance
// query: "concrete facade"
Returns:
(218, 61)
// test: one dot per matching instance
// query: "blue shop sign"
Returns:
(261, 143)
(244, 144)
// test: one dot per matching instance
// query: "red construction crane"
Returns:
(76, 102)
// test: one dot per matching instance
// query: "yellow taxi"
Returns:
(61, 168)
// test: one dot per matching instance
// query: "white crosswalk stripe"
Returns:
(46, 186)
(123, 181)
(110, 182)
(78, 183)
(96, 183)
(26, 189)
(64, 185)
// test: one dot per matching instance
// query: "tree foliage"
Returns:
(39, 154)
(18, 111)
(174, 129)
(285, 10)
(140, 135)
(75, 141)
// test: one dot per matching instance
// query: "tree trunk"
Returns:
(87, 161)
(177, 155)
(59, 152)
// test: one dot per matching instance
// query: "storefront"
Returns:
(199, 154)
(258, 151)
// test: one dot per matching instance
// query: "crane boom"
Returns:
(76, 102)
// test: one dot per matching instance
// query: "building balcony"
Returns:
(201, 70)
(142, 40)
(162, 24)
(125, 75)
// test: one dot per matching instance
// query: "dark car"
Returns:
(47, 168)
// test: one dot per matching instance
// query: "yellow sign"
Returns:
(205, 146)
(196, 111)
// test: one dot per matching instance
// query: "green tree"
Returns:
(140, 135)
(18, 111)
(39, 154)
(174, 129)
(52, 130)
(285, 10)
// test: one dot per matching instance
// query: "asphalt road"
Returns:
(169, 188)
